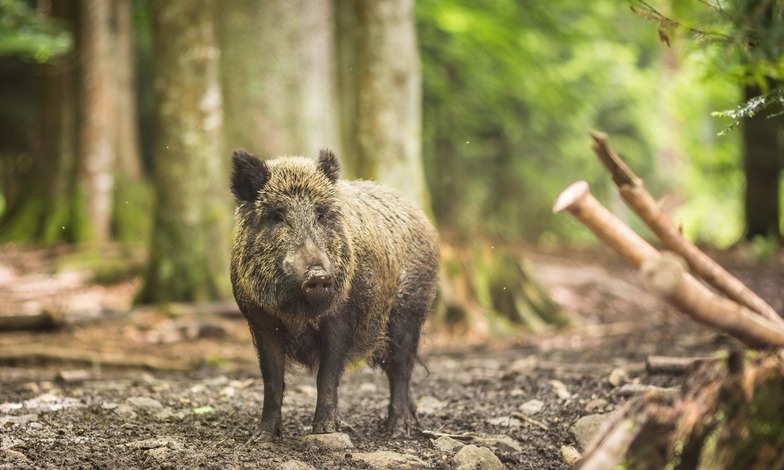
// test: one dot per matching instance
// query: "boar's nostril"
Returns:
(317, 283)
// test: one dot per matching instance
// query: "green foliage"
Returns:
(510, 90)
(28, 34)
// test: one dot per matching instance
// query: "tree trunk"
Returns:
(96, 155)
(763, 150)
(278, 77)
(385, 84)
(189, 251)
(127, 136)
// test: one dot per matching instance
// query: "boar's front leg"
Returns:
(268, 339)
(335, 344)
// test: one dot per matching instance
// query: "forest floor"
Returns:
(142, 388)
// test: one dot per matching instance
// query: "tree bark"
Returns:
(189, 248)
(96, 155)
(127, 136)
(763, 151)
(278, 76)
(385, 84)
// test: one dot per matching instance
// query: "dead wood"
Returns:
(666, 275)
(41, 353)
(729, 416)
(671, 365)
(701, 265)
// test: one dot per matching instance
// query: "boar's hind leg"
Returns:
(334, 352)
(403, 340)
(272, 361)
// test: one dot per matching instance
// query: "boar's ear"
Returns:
(248, 176)
(328, 164)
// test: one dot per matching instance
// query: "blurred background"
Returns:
(117, 118)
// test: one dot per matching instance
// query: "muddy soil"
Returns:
(181, 388)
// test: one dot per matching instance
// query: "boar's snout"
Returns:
(317, 285)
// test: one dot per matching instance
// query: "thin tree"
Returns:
(189, 246)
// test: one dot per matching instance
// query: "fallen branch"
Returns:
(666, 275)
(672, 365)
(92, 358)
(39, 321)
(662, 275)
(638, 199)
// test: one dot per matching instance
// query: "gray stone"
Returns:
(329, 441)
(385, 459)
(144, 403)
(472, 457)
(618, 377)
(447, 444)
(585, 428)
(570, 454)
(531, 407)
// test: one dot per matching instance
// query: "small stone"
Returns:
(447, 444)
(368, 387)
(570, 454)
(329, 441)
(14, 455)
(144, 403)
(74, 376)
(595, 405)
(500, 443)
(21, 419)
(531, 407)
(618, 377)
(125, 411)
(385, 459)
(560, 389)
(586, 428)
(472, 457)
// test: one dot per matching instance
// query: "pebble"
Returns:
(570, 454)
(506, 421)
(618, 377)
(531, 407)
(560, 390)
(447, 444)
(329, 441)
(144, 403)
(585, 428)
(385, 459)
(595, 405)
(473, 457)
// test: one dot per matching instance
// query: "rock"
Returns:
(296, 465)
(144, 403)
(154, 443)
(74, 376)
(385, 459)
(21, 419)
(500, 443)
(368, 387)
(125, 411)
(447, 444)
(570, 454)
(560, 389)
(472, 457)
(429, 405)
(595, 405)
(329, 441)
(531, 407)
(585, 428)
(524, 366)
(618, 377)
(11, 455)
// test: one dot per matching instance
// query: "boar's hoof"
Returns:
(263, 436)
(327, 426)
(317, 285)
(402, 424)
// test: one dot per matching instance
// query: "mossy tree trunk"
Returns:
(278, 76)
(381, 79)
(189, 247)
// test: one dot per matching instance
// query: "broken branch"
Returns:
(640, 201)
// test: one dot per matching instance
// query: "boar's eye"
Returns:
(277, 215)
(322, 214)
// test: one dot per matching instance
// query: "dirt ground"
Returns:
(181, 388)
